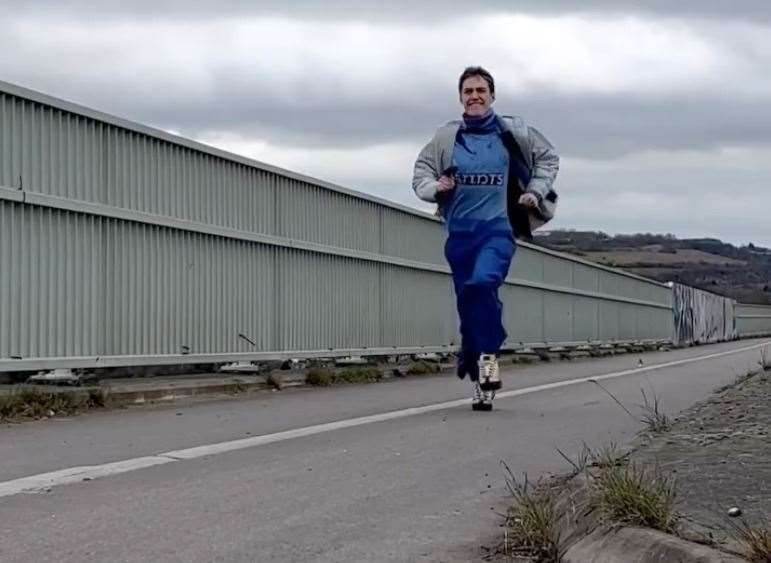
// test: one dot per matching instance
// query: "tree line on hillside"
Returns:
(748, 283)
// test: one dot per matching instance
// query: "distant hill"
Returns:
(743, 273)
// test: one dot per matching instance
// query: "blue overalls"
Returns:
(480, 243)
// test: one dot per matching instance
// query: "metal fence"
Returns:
(701, 317)
(753, 320)
(125, 245)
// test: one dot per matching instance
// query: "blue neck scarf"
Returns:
(486, 123)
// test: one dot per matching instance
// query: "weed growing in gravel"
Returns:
(617, 490)
(756, 541)
(764, 360)
(636, 496)
(624, 492)
(325, 377)
(32, 402)
(582, 461)
(320, 377)
(607, 457)
(422, 368)
(652, 415)
(358, 375)
(532, 521)
(97, 398)
(275, 381)
(237, 388)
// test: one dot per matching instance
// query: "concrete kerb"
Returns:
(132, 392)
(172, 383)
(638, 545)
(124, 391)
(585, 538)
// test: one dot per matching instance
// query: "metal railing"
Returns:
(124, 245)
(753, 320)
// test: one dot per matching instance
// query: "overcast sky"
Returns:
(662, 113)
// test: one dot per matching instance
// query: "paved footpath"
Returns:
(396, 471)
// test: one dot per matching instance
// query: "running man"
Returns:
(492, 177)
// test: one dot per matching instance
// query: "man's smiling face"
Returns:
(475, 96)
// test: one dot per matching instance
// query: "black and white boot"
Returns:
(479, 399)
(489, 374)
(487, 399)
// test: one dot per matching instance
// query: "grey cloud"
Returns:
(400, 10)
(593, 127)
(580, 124)
(613, 125)
(599, 126)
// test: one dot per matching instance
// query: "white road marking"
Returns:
(37, 483)
(44, 481)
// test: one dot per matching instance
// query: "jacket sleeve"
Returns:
(425, 175)
(546, 164)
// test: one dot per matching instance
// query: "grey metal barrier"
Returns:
(753, 320)
(124, 245)
(701, 317)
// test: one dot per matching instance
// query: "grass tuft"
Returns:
(636, 496)
(581, 463)
(756, 541)
(238, 387)
(275, 381)
(358, 375)
(32, 402)
(526, 360)
(653, 417)
(97, 398)
(532, 521)
(607, 457)
(423, 368)
(320, 377)
(325, 377)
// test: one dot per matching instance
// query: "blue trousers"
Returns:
(479, 262)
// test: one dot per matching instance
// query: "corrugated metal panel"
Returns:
(59, 152)
(627, 322)
(405, 237)
(701, 316)
(418, 308)
(79, 284)
(557, 272)
(558, 317)
(609, 312)
(50, 280)
(50, 151)
(754, 310)
(316, 214)
(586, 319)
(528, 265)
(586, 278)
(523, 314)
(170, 292)
(753, 320)
(327, 302)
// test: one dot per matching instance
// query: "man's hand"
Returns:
(445, 184)
(528, 200)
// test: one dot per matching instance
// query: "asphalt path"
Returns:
(395, 471)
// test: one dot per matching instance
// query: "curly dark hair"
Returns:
(476, 71)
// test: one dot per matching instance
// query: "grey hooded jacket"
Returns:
(538, 152)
